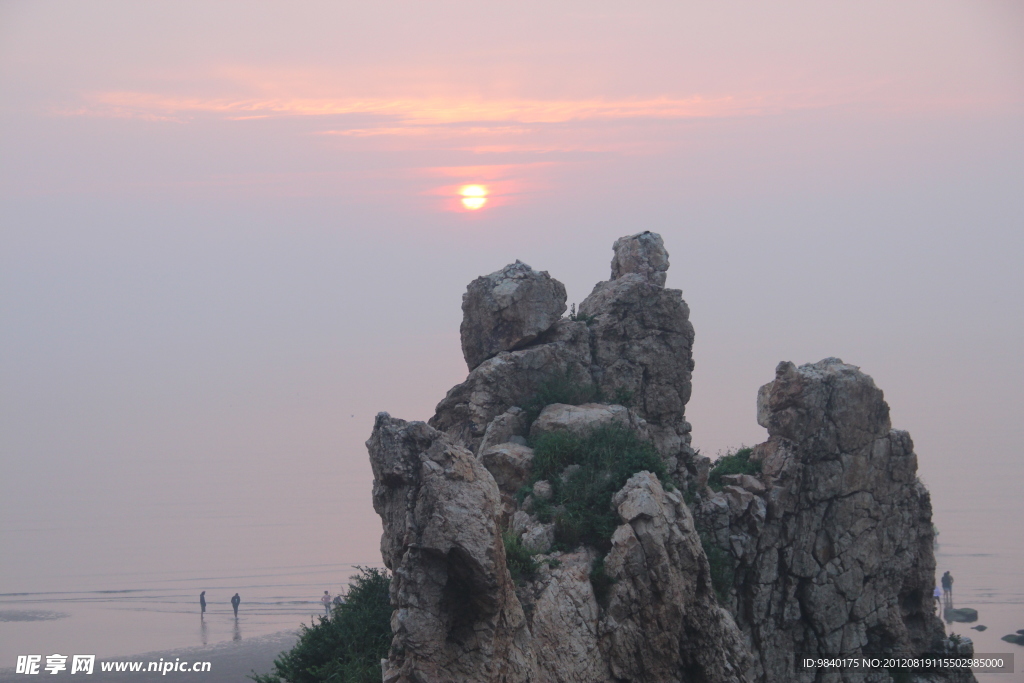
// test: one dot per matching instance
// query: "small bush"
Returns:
(520, 561)
(579, 317)
(581, 504)
(562, 388)
(721, 566)
(348, 647)
(737, 462)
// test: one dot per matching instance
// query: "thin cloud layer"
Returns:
(422, 111)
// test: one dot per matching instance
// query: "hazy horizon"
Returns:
(232, 234)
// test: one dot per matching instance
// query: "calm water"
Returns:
(980, 544)
(159, 612)
(118, 584)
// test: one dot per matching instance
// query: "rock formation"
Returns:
(508, 309)
(632, 340)
(829, 547)
(456, 615)
(832, 544)
(643, 254)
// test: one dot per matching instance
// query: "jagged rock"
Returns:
(564, 620)
(582, 420)
(739, 499)
(509, 464)
(539, 538)
(507, 310)
(509, 427)
(643, 254)
(520, 522)
(663, 622)
(744, 481)
(828, 407)
(841, 560)
(827, 551)
(510, 379)
(457, 616)
(641, 340)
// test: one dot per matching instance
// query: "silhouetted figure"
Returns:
(937, 594)
(202, 604)
(235, 601)
(337, 600)
(947, 587)
(326, 600)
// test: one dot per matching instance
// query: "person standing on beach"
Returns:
(235, 601)
(947, 587)
(202, 603)
(326, 600)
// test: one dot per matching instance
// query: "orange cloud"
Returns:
(422, 111)
(425, 131)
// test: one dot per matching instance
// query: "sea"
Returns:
(147, 603)
(159, 614)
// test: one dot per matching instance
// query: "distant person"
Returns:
(202, 603)
(947, 587)
(326, 600)
(937, 594)
(337, 600)
(235, 602)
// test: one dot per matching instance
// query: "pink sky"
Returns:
(231, 233)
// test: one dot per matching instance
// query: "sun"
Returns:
(473, 196)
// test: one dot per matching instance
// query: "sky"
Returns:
(231, 233)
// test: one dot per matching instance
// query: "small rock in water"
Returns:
(1015, 638)
(1020, 631)
(979, 627)
(964, 615)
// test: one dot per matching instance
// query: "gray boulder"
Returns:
(643, 254)
(583, 419)
(510, 426)
(509, 464)
(507, 310)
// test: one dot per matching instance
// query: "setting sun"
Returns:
(473, 196)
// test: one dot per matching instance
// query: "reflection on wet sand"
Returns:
(238, 632)
(203, 632)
